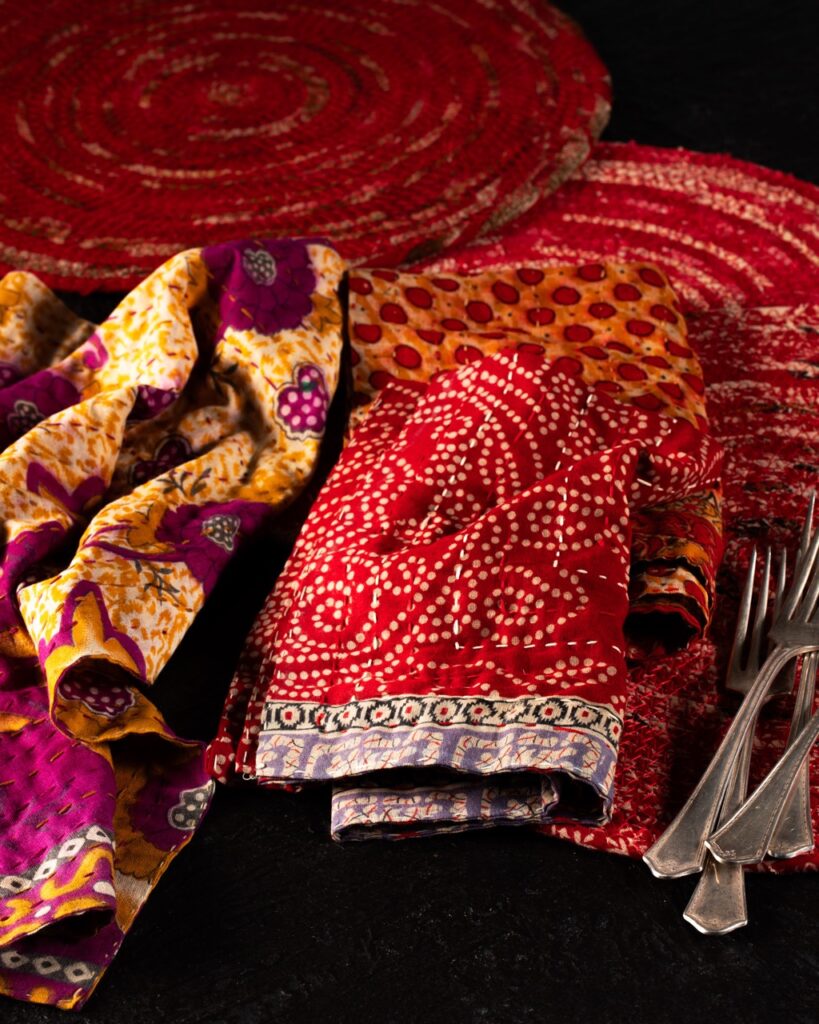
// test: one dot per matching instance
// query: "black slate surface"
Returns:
(265, 919)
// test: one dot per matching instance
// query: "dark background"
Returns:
(263, 918)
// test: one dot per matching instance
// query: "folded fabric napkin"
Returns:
(456, 602)
(618, 327)
(138, 456)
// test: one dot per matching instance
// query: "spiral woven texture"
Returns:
(725, 231)
(133, 130)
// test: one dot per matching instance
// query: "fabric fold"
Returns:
(456, 600)
(139, 456)
(618, 326)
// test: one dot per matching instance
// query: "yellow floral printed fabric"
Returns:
(135, 458)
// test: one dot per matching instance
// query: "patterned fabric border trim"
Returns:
(55, 968)
(584, 755)
(13, 885)
(290, 716)
(375, 812)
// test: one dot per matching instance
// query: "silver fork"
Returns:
(786, 829)
(740, 677)
(680, 850)
(718, 905)
(793, 833)
(745, 837)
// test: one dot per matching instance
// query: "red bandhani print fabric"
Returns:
(456, 600)
(616, 326)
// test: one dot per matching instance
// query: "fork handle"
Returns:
(680, 850)
(718, 903)
(793, 833)
(745, 837)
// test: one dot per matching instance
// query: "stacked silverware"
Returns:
(720, 829)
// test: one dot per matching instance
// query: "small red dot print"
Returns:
(671, 389)
(369, 333)
(479, 311)
(578, 333)
(608, 385)
(627, 293)
(678, 350)
(695, 383)
(593, 352)
(431, 337)
(628, 371)
(445, 284)
(642, 328)
(419, 297)
(392, 313)
(467, 354)
(504, 292)
(407, 356)
(566, 296)
(651, 403)
(451, 324)
(618, 346)
(658, 361)
(571, 367)
(540, 316)
(529, 346)
(602, 310)
(360, 285)
(661, 312)
(530, 276)
(652, 277)
(355, 358)
(592, 272)
(385, 275)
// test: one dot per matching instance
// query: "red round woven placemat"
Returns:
(725, 231)
(132, 130)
